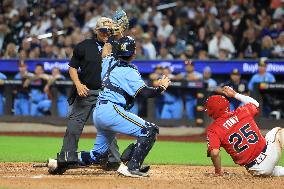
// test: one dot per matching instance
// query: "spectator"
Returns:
(218, 42)
(278, 50)
(165, 29)
(262, 77)
(175, 46)
(277, 28)
(249, 46)
(25, 32)
(62, 105)
(202, 42)
(279, 12)
(164, 54)
(148, 45)
(154, 77)
(2, 78)
(40, 104)
(202, 55)
(238, 85)
(189, 53)
(190, 96)
(21, 94)
(11, 51)
(4, 31)
(37, 29)
(173, 106)
(223, 54)
(266, 47)
(207, 78)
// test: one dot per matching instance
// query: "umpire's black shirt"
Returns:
(87, 57)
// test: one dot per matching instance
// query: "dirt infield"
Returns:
(23, 175)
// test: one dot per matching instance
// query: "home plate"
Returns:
(37, 176)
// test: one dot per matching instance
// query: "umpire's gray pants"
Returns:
(79, 113)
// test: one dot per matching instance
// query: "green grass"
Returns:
(39, 149)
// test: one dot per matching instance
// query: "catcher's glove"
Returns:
(121, 22)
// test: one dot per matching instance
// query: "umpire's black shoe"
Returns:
(54, 168)
(111, 166)
(144, 169)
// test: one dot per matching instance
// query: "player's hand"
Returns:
(165, 81)
(107, 49)
(82, 90)
(229, 92)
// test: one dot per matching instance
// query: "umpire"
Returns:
(86, 58)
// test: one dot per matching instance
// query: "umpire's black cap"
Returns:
(125, 46)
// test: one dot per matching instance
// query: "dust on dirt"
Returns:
(24, 176)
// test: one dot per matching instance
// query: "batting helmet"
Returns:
(125, 46)
(216, 106)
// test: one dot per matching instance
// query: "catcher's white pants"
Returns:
(266, 162)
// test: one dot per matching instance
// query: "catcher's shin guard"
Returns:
(144, 144)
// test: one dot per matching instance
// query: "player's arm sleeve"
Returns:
(251, 105)
(246, 99)
(78, 55)
(213, 141)
(150, 92)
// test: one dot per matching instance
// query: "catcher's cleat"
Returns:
(123, 170)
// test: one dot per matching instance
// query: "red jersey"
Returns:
(238, 134)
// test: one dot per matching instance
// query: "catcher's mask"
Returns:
(125, 46)
(216, 106)
(120, 20)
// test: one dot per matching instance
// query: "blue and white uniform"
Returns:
(110, 116)
(21, 100)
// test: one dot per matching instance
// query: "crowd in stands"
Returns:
(201, 29)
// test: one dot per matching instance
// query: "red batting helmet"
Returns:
(216, 106)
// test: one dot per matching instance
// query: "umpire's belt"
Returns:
(257, 160)
(106, 101)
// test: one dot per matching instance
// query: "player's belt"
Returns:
(259, 158)
(106, 101)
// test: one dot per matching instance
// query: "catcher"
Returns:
(240, 136)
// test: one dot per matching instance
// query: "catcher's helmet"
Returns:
(216, 106)
(125, 46)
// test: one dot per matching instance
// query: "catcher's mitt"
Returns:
(121, 22)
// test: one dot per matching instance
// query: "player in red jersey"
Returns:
(240, 136)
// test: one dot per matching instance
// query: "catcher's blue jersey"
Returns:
(124, 77)
(111, 118)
